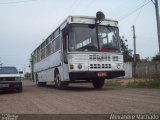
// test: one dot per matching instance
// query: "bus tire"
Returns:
(58, 83)
(98, 83)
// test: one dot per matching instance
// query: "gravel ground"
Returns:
(79, 99)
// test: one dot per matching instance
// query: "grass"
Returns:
(114, 83)
(134, 83)
(144, 84)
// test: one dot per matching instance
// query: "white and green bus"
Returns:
(81, 49)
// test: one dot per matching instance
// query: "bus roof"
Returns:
(83, 20)
(87, 20)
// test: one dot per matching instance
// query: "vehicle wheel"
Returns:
(98, 83)
(58, 83)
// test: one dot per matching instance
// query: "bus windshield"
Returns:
(99, 38)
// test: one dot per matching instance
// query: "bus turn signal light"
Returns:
(71, 66)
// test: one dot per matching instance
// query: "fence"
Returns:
(128, 70)
(148, 70)
(143, 70)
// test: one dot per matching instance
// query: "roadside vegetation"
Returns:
(134, 83)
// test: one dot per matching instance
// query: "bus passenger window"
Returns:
(57, 43)
(53, 46)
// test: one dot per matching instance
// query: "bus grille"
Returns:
(99, 58)
(100, 66)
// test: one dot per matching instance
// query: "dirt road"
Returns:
(79, 98)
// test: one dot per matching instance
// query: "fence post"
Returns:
(156, 72)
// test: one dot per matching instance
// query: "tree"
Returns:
(27, 75)
(146, 59)
(127, 53)
(156, 58)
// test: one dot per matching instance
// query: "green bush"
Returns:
(114, 83)
(144, 84)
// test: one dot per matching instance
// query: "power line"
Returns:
(16, 2)
(153, 2)
(88, 5)
(139, 13)
(67, 11)
(75, 6)
(129, 14)
(60, 17)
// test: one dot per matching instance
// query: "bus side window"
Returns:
(53, 46)
(57, 43)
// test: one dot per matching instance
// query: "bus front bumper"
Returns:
(88, 75)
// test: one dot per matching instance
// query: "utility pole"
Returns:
(134, 43)
(158, 21)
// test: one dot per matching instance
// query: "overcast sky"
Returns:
(25, 23)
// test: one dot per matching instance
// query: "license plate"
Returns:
(102, 74)
(4, 85)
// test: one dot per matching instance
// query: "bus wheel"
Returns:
(98, 83)
(58, 83)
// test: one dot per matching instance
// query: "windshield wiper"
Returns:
(88, 48)
(92, 26)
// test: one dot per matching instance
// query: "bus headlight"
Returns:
(79, 66)
(71, 66)
(119, 66)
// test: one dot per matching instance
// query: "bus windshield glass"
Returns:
(89, 38)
